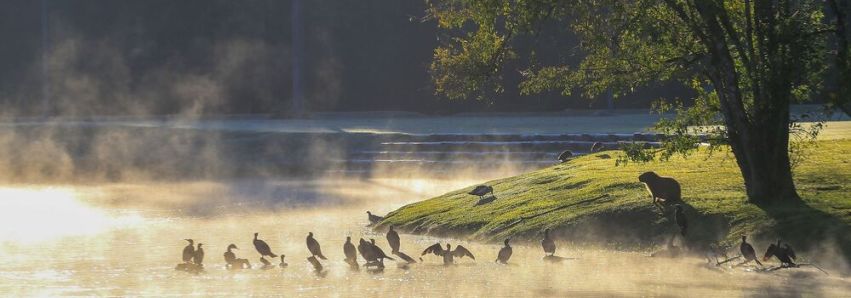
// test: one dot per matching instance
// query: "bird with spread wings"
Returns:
(448, 254)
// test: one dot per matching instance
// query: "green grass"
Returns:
(624, 218)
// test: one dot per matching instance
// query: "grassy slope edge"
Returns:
(590, 200)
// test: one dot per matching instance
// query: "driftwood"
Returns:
(524, 218)
(794, 266)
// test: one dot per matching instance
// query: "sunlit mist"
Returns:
(37, 214)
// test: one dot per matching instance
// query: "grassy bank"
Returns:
(590, 200)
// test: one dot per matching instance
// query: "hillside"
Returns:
(591, 200)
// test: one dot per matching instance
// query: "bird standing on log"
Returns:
(189, 251)
(198, 256)
(748, 252)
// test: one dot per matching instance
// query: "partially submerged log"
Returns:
(190, 267)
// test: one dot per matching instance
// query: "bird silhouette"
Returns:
(351, 253)
(374, 219)
(781, 253)
(198, 256)
(379, 253)
(232, 261)
(680, 218)
(263, 248)
(504, 253)
(393, 239)
(313, 246)
(481, 191)
(565, 155)
(189, 251)
(349, 250)
(548, 244)
(748, 252)
(448, 254)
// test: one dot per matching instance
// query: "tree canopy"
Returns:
(747, 61)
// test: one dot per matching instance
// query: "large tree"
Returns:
(747, 60)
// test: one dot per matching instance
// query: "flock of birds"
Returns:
(193, 256)
(663, 191)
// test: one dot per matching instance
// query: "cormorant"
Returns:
(283, 264)
(504, 253)
(548, 243)
(680, 218)
(263, 248)
(313, 246)
(781, 253)
(350, 251)
(448, 254)
(565, 156)
(378, 252)
(481, 191)
(232, 261)
(189, 251)
(373, 219)
(366, 251)
(393, 239)
(748, 252)
(198, 257)
(230, 257)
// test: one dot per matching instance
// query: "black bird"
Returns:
(365, 250)
(373, 219)
(565, 156)
(680, 218)
(283, 264)
(393, 239)
(548, 244)
(230, 257)
(189, 251)
(263, 248)
(504, 253)
(748, 252)
(350, 251)
(313, 246)
(481, 191)
(198, 257)
(781, 253)
(448, 254)
(378, 252)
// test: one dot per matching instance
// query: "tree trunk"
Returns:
(765, 165)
